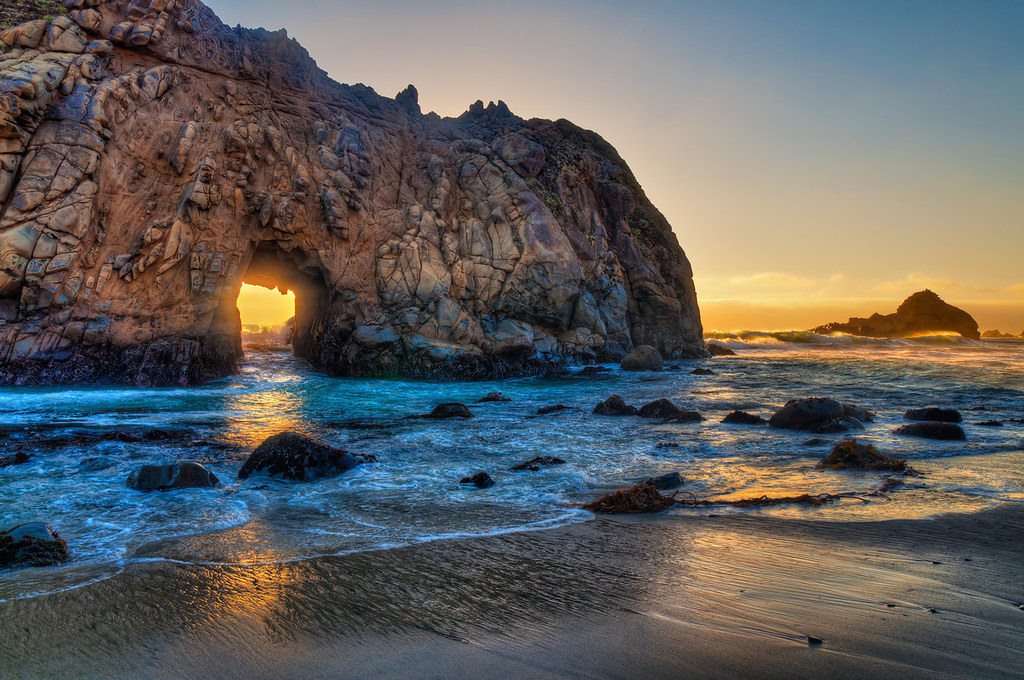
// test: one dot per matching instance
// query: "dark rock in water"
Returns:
(684, 417)
(292, 456)
(452, 409)
(662, 408)
(535, 464)
(593, 370)
(921, 313)
(717, 350)
(937, 415)
(95, 464)
(743, 418)
(815, 441)
(614, 406)
(32, 545)
(545, 410)
(702, 371)
(672, 480)
(854, 411)
(14, 459)
(850, 454)
(933, 430)
(818, 412)
(166, 477)
(492, 396)
(643, 358)
(799, 414)
(667, 445)
(814, 641)
(481, 480)
(991, 423)
(834, 425)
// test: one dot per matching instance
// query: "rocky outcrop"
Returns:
(643, 358)
(32, 545)
(820, 415)
(292, 456)
(922, 313)
(153, 159)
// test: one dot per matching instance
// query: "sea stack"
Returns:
(922, 313)
(154, 159)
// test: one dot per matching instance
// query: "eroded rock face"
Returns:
(152, 159)
(921, 313)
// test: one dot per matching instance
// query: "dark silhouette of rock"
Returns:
(932, 430)
(480, 480)
(555, 408)
(535, 464)
(922, 313)
(717, 350)
(452, 409)
(851, 454)
(666, 482)
(996, 334)
(32, 545)
(643, 358)
(615, 406)
(684, 417)
(834, 425)
(819, 415)
(938, 415)
(640, 498)
(589, 371)
(743, 418)
(166, 477)
(990, 423)
(492, 397)
(815, 441)
(294, 457)
(661, 408)
(702, 371)
(483, 245)
(14, 459)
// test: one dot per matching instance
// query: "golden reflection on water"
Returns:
(262, 414)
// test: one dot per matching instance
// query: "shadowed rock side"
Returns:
(152, 159)
(921, 313)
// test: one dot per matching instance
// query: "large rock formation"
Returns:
(152, 159)
(921, 313)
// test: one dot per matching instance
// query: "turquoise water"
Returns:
(76, 477)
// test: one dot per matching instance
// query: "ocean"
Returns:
(84, 442)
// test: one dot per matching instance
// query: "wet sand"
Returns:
(664, 596)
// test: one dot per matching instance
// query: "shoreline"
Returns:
(657, 596)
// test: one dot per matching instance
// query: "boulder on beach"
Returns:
(480, 480)
(743, 418)
(643, 358)
(932, 430)
(292, 456)
(492, 397)
(451, 409)
(535, 464)
(852, 454)
(934, 414)
(32, 545)
(820, 415)
(615, 406)
(167, 477)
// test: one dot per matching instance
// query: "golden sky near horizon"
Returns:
(816, 160)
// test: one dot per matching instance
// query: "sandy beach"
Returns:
(663, 596)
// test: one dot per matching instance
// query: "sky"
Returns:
(816, 159)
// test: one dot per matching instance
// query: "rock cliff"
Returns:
(921, 313)
(153, 159)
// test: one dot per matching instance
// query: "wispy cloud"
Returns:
(772, 280)
(916, 281)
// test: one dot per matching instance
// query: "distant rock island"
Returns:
(153, 159)
(997, 334)
(921, 313)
